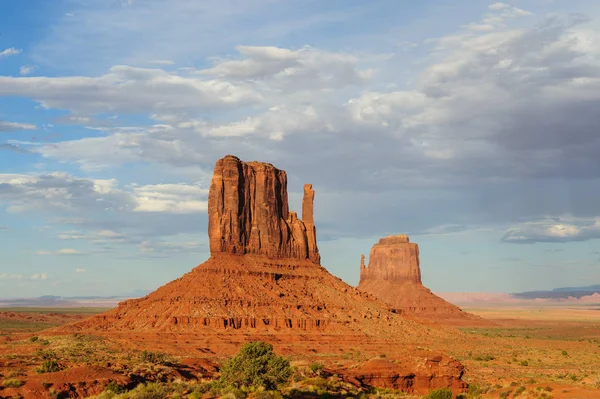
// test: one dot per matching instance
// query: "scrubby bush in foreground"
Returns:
(256, 366)
(444, 393)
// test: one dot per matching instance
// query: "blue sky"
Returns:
(471, 126)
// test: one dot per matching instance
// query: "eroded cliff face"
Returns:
(248, 213)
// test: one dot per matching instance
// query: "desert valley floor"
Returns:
(550, 351)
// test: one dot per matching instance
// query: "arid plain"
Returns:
(551, 351)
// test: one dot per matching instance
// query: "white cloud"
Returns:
(565, 229)
(15, 126)
(499, 6)
(176, 198)
(58, 191)
(27, 69)
(130, 90)
(63, 251)
(292, 70)
(9, 51)
(40, 276)
(79, 270)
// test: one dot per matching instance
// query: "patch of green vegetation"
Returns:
(49, 366)
(484, 358)
(157, 358)
(444, 393)
(23, 325)
(13, 383)
(256, 365)
(316, 368)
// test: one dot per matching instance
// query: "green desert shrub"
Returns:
(316, 368)
(268, 395)
(444, 393)
(150, 390)
(255, 366)
(157, 358)
(49, 366)
(114, 387)
(13, 383)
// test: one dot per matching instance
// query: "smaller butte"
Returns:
(394, 276)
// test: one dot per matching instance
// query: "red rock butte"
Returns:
(394, 275)
(264, 281)
(248, 213)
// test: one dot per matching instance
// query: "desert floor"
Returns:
(535, 346)
(536, 351)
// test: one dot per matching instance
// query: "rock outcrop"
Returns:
(394, 275)
(248, 213)
(264, 281)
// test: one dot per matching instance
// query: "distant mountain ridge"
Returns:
(560, 293)
(52, 301)
(594, 288)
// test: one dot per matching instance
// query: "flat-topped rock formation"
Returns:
(393, 258)
(264, 281)
(394, 275)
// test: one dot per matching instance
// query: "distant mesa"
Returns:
(394, 275)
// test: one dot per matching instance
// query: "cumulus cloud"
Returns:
(554, 230)
(6, 126)
(79, 270)
(9, 51)
(176, 198)
(107, 215)
(284, 69)
(129, 89)
(40, 276)
(59, 191)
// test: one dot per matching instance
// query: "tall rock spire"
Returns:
(248, 213)
(309, 221)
